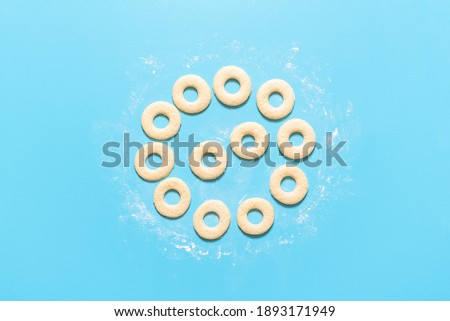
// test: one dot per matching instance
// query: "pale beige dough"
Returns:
(301, 185)
(266, 210)
(203, 91)
(161, 108)
(259, 134)
(172, 184)
(212, 206)
(290, 127)
(245, 86)
(202, 171)
(275, 86)
(144, 152)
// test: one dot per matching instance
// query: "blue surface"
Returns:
(70, 73)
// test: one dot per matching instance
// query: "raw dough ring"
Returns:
(266, 210)
(245, 86)
(144, 152)
(212, 233)
(202, 171)
(172, 184)
(161, 108)
(290, 127)
(275, 86)
(203, 91)
(259, 134)
(301, 185)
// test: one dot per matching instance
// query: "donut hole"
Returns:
(275, 99)
(161, 121)
(154, 161)
(255, 216)
(209, 160)
(190, 94)
(232, 86)
(296, 139)
(172, 197)
(248, 141)
(288, 184)
(211, 219)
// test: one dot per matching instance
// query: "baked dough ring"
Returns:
(202, 171)
(144, 152)
(172, 184)
(275, 86)
(203, 91)
(161, 108)
(300, 126)
(259, 134)
(301, 185)
(212, 233)
(245, 86)
(266, 210)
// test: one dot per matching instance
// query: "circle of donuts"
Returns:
(213, 148)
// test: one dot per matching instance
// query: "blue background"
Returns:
(64, 69)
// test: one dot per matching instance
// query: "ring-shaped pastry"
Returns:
(275, 86)
(168, 210)
(266, 210)
(259, 134)
(299, 126)
(208, 172)
(221, 210)
(165, 109)
(163, 170)
(301, 185)
(203, 94)
(245, 86)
